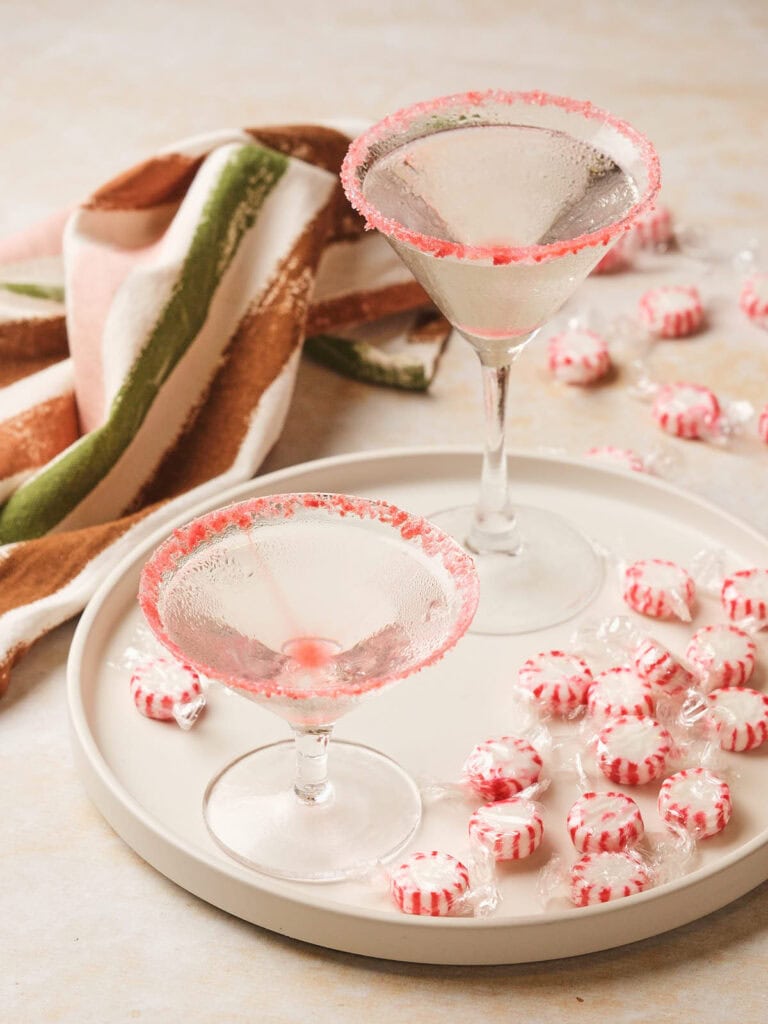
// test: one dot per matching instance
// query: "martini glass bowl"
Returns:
(307, 604)
(501, 203)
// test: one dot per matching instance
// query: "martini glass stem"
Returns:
(311, 783)
(493, 527)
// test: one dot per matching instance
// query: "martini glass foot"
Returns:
(548, 578)
(368, 813)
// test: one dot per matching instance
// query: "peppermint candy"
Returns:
(500, 768)
(658, 666)
(660, 589)
(762, 424)
(618, 458)
(671, 311)
(697, 800)
(744, 596)
(166, 691)
(602, 877)
(620, 691)
(578, 357)
(753, 299)
(428, 884)
(739, 716)
(510, 829)
(600, 822)
(559, 681)
(633, 750)
(690, 411)
(721, 655)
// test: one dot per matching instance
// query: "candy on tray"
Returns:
(168, 691)
(658, 666)
(744, 596)
(633, 750)
(620, 691)
(740, 717)
(659, 588)
(696, 800)
(428, 884)
(671, 311)
(509, 829)
(753, 298)
(601, 877)
(578, 356)
(721, 655)
(501, 768)
(599, 822)
(559, 681)
(690, 411)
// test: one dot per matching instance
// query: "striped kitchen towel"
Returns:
(149, 341)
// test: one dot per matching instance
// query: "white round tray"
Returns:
(148, 778)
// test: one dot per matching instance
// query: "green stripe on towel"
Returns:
(231, 210)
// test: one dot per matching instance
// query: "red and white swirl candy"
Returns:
(618, 458)
(696, 800)
(510, 829)
(671, 311)
(428, 884)
(658, 666)
(740, 717)
(659, 588)
(689, 411)
(578, 356)
(744, 596)
(167, 690)
(620, 691)
(721, 655)
(654, 228)
(500, 768)
(599, 822)
(633, 750)
(602, 877)
(753, 299)
(559, 681)
(762, 424)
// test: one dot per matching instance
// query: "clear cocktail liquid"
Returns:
(499, 185)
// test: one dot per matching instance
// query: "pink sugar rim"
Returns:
(242, 515)
(498, 254)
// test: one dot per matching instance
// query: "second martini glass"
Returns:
(501, 203)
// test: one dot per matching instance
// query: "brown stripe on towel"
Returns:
(30, 344)
(155, 182)
(36, 435)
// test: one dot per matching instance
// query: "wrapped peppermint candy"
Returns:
(429, 884)
(744, 597)
(696, 800)
(167, 691)
(739, 716)
(620, 691)
(721, 655)
(606, 876)
(659, 588)
(500, 768)
(690, 411)
(558, 681)
(671, 311)
(753, 299)
(601, 822)
(509, 829)
(578, 356)
(632, 750)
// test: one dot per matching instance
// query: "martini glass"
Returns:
(307, 604)
(500, 203)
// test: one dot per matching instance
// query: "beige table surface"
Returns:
(88, 931)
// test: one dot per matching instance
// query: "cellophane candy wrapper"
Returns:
(161, 687)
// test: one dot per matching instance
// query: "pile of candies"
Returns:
(581, 355)
(652, 718)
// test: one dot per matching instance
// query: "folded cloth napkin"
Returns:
(149, 342)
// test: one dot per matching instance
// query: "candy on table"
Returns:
(671, 311)
(721, 655)
(696, 800)
(167, 691)
(500, 768)
(428, 884)
(559, 681)
(601, 877)
(620, 458)
(620, 691)
(744, 596)
(632, 750)
(762, 424)
(659, 588)
(510, 829)
(658, 666)
(739, 716)
(654, 228)
(690, 411)
(753, 299)
(599, 822)
(619, 257)
(578, 356)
